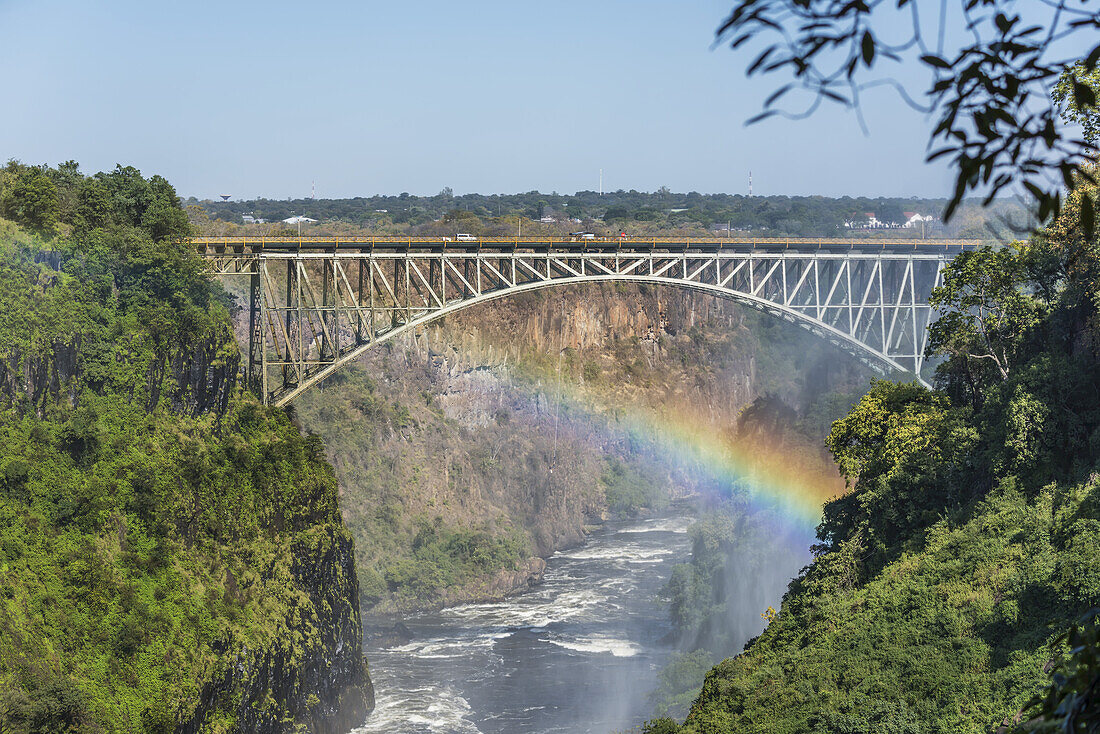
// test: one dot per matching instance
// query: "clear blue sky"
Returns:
(259, 99)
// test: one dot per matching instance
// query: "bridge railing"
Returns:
(205, 244)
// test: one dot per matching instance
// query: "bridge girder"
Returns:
(313, 312)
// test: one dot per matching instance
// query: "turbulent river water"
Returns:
(578, 653)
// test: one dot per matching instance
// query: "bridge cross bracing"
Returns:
(314, 309)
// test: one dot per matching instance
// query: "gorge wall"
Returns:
(494, 437)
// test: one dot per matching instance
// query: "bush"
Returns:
(628, 491)
(662, 725)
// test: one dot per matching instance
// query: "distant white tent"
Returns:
(299, 220)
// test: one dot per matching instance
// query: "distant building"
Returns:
(547, 219)
(912, 219)
(867, 220)
(249, 219)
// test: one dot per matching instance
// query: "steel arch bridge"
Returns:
(316, 304)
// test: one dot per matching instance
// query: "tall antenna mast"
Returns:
(750, 184)
(313, 194)
(601, 182)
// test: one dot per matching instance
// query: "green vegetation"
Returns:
(448, 557)
(44, 199)
(628, 491)
(948, 638)
(157, 528)
(969, 538)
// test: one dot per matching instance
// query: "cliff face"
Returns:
(316, 675)
(195, 379)
(172, 553)
(521, 417)
(661, 345)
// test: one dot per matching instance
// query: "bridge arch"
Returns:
(873, 358)
(314, 310)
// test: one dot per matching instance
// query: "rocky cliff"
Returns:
(526, 417)
(315, 675)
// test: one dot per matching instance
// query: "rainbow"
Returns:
(790, 489)
(794, 489)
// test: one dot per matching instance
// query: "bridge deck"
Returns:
(255, 245)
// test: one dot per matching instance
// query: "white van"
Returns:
(463, 237)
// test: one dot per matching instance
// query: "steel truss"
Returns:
(312, 312)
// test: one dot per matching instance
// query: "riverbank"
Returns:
(495, 586)
(509, 582)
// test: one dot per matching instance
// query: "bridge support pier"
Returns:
(255, 371)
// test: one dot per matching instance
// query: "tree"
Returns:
(891, 213)
(1065, 254)
(897, 449)
(68, 179)
(163, 217)
(93, 207)
(29, 198)
(163, 221)
(1076, 94)
(984, 315)
(1071, 702)
(996, 119)
(129, 191)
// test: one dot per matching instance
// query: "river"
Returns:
(578, 653)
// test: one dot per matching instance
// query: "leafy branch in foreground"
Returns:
(996, 119)
(1071, 702)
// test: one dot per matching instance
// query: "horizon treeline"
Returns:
(810, 216)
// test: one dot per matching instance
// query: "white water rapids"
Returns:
(579, 653)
